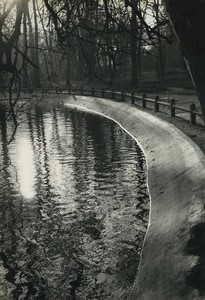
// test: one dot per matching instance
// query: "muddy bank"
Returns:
(176, 175)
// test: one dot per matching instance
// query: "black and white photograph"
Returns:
(102, 149)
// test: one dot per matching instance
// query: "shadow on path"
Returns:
(196, 247)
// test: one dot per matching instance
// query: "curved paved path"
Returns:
(176, 180)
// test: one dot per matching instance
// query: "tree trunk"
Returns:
(160, 52)
(187, 19)
(25, 48)
(36, 72)
(139, 52)
(68, 66)
(134, 46)
(47, 36)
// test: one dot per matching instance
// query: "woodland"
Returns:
(46, 44)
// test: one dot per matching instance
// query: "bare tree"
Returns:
(187, 19)
(35, 52)
(12, 58)
(159, 40)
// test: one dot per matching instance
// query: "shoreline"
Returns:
(176, 169)
(176, 176)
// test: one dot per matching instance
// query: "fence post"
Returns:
(172, 108)
(113, 94)
(144, 100)
(132, 97)
(103, 93)
(192, 114)
(122, 95)
(156, 104)
(81, 90)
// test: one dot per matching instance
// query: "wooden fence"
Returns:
(154, 103)
(157, 104)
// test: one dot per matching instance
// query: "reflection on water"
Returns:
(73, 208)
(25, 167)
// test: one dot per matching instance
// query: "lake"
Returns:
(74, 207)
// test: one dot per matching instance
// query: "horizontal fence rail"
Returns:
(157, 103)
(143, 101)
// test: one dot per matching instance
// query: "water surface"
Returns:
(73, 207)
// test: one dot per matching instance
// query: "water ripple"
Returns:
(73, 208)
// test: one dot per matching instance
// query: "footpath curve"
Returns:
(176, 180)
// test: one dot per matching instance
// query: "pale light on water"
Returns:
(26, 168)
(73, 208)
